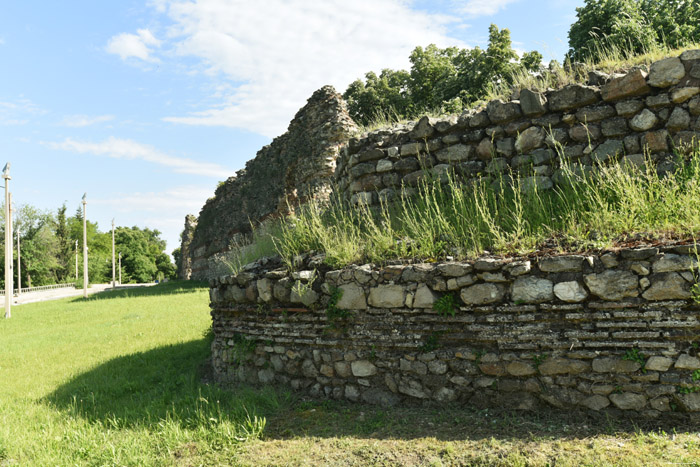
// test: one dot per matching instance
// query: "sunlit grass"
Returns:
(116, 380)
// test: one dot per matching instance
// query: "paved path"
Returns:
(55, 294)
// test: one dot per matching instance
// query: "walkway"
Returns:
(55, 294)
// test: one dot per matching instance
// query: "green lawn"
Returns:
(117, 380)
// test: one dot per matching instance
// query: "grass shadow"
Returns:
(145, 388)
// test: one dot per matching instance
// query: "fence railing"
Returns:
(41, 288)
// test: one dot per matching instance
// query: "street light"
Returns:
(19, 264)
(76, 260)
(120, 268)
(85, 248)
(8, 243)
(114, 282)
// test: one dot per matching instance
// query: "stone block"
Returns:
(667, 286)
(688, 402)
(424, 297)
(569, 263)
(596, 402)
(655, 141)
(561, 366)
(532, 103)
(680, 95)
(666, 73)
(570, 292)
(482, 294)
(615, 365)
(387, 296)
(679, 120)
(608, 150)
(571, 97)
(502, 112)
(530, 139)
(485, 150)
(614, 127)
(686, 362)
(644, 121)
(423, 129)
(674, 263)
(532, 290)
(455, 153)
(363, 368)
(657, 363)
(595, 114)
(520, 369)
(631, 85)
(352, 298)
(628, 401)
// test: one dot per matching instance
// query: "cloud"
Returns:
(80, 121)
(17, 111)
(475, 8)
(134, 45)
(276, 53)
(131, 150)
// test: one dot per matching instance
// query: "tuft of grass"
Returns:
(504, 214)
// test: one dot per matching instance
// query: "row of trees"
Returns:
(48, 249)
(446, 80)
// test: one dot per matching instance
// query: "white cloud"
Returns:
(131, 150)
(161, 210)
(17, 111)
(80, 121)
(277, 52)
(475, 8)
(134, 45)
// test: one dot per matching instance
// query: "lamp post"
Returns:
(19, 264)
(85, 248)
(120, 268)
(114, 281)
(8, 243)
(76, 260)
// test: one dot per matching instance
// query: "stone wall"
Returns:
(619, 117)
(185, 267)
(615, 331)
(294, 167)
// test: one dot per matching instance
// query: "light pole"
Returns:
(120, 268)
(19, 264)
(8, 243)
(85, 248)
(114, 280)
(76, 260)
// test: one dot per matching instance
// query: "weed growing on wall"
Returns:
(446, 305)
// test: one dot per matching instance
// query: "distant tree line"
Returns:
(48, 250)
(446, 80)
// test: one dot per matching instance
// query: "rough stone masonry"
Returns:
(617, 331)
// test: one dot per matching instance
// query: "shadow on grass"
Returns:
(164, 288)
(145, 388)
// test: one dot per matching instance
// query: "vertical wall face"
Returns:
(633, 118)
(295, 167)
(185, 266)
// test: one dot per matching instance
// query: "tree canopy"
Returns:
(633, 26)
(48, 249)
(439, 80)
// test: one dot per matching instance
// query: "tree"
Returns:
(143, 255)
(632, 26)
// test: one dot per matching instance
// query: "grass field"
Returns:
(117, 380)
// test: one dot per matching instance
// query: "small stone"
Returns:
(615, 365)
(629, 108)
(614, 127)
(445, 395)
(531, 290)
(629, 401)
(681, 95)
(424, 297)
(679, 120)
(384, 165)
(657, 363)
(518, 268)
(482, 294)
(658, 101)
(488, 264)
(530, 139)
(608, 150)
(308, 369)
(571, 263)
(655, 141)
(686, 362)
(437, 367)
(666, 73)
(691, 55)
(363, 368)
(570, 292)
(454, 269)
(520, 369)
(327, 370)
(560, 366)
(342, 369)
(532, 103)
(455, 153)
(413, 389)
(387, 296)
(612, 285)
(485, 150)
(639, 269)
(643, 121)
(352, 393)
(596, 402)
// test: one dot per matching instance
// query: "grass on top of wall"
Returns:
(504, 215)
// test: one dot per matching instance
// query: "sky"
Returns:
(145, 105)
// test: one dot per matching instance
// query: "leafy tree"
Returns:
(633, 26)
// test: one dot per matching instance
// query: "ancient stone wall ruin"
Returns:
(294, 167)
(616, 331)
(632, 118)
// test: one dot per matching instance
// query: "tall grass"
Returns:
(507, 214)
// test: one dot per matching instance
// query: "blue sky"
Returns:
(146, 105)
